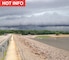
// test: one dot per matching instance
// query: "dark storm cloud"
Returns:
(43, 4)
(36, 12)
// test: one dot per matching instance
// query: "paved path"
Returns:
(11, 53)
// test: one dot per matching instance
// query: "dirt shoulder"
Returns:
(34, 50)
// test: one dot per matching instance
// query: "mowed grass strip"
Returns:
(42, 37)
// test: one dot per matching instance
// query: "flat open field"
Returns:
(56, 41)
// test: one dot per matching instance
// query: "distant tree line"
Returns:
(32, 32)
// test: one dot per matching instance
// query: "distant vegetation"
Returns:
(42, 37)
(32, 32)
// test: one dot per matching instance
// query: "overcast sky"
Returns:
(36, 12)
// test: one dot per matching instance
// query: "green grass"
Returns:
(4, 55)
(42, 37)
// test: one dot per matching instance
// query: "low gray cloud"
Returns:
(36, 12)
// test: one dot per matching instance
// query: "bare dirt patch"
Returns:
(33, 50)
